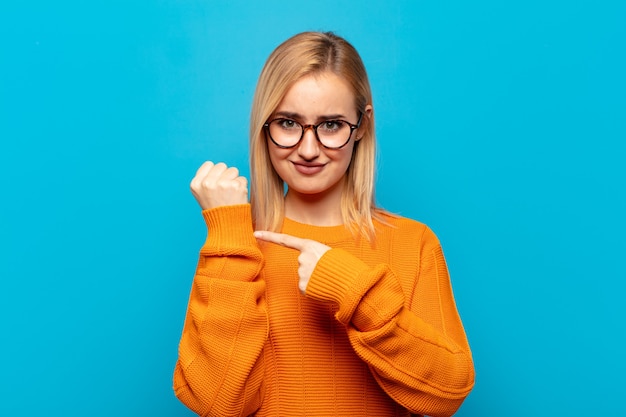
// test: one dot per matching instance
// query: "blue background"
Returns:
(501, 125)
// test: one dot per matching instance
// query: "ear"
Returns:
(365, 120)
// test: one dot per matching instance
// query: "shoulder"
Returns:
(404, 228)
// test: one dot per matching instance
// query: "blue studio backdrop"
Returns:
(501, 125)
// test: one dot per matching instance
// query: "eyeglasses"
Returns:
(332, 134)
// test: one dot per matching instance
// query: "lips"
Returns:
(307, 168)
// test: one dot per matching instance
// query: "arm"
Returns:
(419, 355)
(219, 369)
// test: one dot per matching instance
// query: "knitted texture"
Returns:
(376, 334)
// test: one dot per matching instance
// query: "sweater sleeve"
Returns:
(219, 369)
(416, 349)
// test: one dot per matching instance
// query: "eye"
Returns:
(331, 126)
(287, 124)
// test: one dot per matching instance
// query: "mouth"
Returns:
(308, 168)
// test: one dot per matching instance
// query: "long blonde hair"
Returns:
(304, 54)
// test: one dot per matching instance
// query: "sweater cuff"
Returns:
(229, 227)
(339, 277)
(368, 297)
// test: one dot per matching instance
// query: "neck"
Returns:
(314, 209)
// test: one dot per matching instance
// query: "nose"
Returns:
(309, 147)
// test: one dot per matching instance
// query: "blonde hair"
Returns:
(304, 54)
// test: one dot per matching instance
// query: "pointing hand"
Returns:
(310, 252)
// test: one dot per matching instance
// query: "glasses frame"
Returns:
(266, 126)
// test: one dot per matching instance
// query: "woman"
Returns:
(332, 307)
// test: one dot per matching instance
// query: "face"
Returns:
(309, 169)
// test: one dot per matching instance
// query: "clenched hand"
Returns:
(217, 185)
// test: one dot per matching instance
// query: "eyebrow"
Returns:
(298, 116)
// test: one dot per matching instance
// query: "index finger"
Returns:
(281, 239)
(204, 168)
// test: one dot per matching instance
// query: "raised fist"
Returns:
(217, 185)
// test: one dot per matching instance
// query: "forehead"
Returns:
(319, 94)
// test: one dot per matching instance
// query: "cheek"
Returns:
(346, 157)
(278, 158)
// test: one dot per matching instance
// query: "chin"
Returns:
(311, 190)
(307, 191)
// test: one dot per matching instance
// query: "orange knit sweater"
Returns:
(377, 333)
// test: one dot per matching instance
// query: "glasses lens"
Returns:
(285, 132)
(333, 133)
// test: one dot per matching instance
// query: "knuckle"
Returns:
(196, 184)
